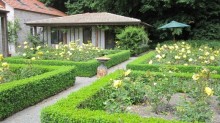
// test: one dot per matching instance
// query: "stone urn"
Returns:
(102, 70)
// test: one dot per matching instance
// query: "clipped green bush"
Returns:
(19, 94)
(140, 64)
(197, 43)
(134, 39)
(86, 69)
(67, 111)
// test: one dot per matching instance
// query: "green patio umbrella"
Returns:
(173, 25)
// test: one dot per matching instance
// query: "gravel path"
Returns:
(32, 114)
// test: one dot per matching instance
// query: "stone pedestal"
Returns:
(102, 70)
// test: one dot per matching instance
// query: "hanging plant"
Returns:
(104, 27)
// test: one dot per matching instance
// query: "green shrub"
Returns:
(19, 94)
(67, 111)
(197, 43)
(133, 39)
(86, 69)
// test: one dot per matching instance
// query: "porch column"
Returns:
(45, 35)
(81, 35)
(73, 34)
(102, 39)
(49, 36)
(1, 40)
(68, 35)
(4, 34)
(93, 36)
(76, 34)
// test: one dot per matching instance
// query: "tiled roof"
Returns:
(34, 6)
(102, 18)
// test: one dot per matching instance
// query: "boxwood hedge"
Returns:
(86, 69)
(66, 111)
(140, 64)
(19, 94)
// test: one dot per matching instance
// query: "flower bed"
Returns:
(180, 56)
(85, 68)
(75, 108)
(119, 90)
(19, 94)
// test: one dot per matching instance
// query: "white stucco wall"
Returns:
(25, 16)
(10, 15)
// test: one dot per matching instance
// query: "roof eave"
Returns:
(82, 24)
(41, 12)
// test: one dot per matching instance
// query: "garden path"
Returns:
(32, 114)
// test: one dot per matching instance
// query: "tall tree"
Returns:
(58, 4)
(202, 15)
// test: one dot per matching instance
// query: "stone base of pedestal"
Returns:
(102, 71)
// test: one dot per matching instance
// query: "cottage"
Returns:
(28, 10)
(3, 32)
(94, 27)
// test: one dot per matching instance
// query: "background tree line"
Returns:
(202, 15)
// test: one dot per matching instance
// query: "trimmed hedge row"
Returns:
(197, 43)
(141, 64)
(66, 111)
(180, 75)
(86, 69)
(19, 94)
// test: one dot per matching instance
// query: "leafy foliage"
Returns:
(34, 40)
(198, 109)
(13, 28)
(202, 15)
(131, 38)
(124, 92)
(58, 4)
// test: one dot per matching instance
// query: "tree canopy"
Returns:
(202, 15)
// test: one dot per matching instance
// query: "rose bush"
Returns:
(7, 74)
(70, 52)
(156, 90)
(182, 53)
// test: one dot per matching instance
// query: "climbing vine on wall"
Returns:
(13, 28)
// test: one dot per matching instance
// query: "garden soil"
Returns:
(145, 110)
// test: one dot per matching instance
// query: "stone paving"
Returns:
(32, 114)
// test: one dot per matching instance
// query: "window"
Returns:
(87, 34)
(58, 35)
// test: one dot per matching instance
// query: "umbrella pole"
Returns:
(174, 38)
